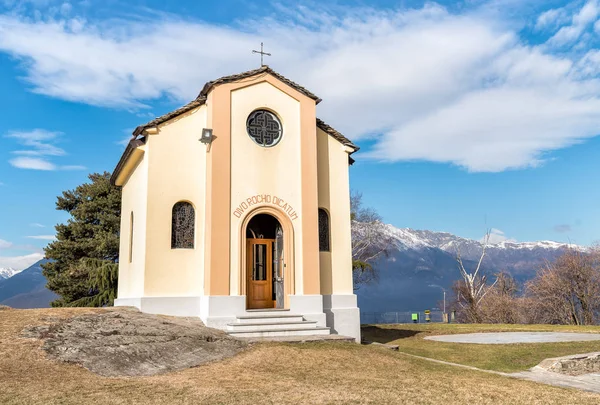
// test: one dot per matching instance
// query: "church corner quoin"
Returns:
(235, 222)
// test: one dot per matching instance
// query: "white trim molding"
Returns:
(174, 306)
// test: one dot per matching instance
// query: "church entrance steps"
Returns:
(262, 324)
(271, 318)
(304, 339)
(245, 327)
(280, 332)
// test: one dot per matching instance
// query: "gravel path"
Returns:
(516, 337)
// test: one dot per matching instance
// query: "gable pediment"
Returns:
(252, 73)
(204, 94)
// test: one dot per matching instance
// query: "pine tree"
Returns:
(83, 266)
(102, 280)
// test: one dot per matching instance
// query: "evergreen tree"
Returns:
(83, 268)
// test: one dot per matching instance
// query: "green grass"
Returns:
(506, 358)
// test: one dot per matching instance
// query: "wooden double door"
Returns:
(263, 273)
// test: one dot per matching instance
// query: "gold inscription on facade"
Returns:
(265, 199)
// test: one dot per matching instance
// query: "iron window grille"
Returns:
(324, 245)
(264, 128)
(182, 231)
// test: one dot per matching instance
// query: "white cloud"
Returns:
(43, 237)
(4, 244)
(579, 22)
(37, 225)
(40, 144)
(39, 140)
(125, 141)
(20, 262)
(425, 84)
(497, 236)
(65, 9)
(552, 18)
(72, 167)
(32, 163)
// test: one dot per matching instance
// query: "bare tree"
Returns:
(370, 241)
(473, 287)
(502, 303)
(568, 290)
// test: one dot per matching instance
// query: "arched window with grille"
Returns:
(323, 231)
(183, 224)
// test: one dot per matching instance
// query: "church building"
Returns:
(236, 209)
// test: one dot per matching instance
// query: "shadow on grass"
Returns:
(385, 335)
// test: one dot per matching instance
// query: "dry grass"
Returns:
(266, 374)
(507, 358)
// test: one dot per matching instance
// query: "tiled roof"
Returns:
(164, 118)
(201, 99)
(337, 135)
(251, 73)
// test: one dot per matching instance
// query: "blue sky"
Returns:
(471, 115)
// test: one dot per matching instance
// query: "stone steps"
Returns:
(281, 332)
(273, 323)
(245, 327)
(271, 318)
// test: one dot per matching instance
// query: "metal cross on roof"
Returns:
(262, 54)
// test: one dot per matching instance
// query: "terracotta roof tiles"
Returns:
(336, 135)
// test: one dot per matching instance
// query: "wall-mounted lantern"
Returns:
(207, 136)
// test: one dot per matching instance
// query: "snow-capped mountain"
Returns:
(521, 259)
(412, 238)
(7, 272)
(423, 263)
(27, 289)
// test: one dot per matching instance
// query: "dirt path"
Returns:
(585, 382)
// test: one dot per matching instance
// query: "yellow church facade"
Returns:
(236, 209)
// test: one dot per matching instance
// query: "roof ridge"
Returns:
(250, 73)
(202, 96)
(201, 100)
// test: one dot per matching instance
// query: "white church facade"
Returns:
(236, 209)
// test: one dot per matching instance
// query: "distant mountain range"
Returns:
(420, 265)
(423, 263)
(26, 289)
(7, 272)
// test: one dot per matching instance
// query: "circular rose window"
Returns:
(264, 128)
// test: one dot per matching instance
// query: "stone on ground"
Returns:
(577, 364)
(126, 342)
